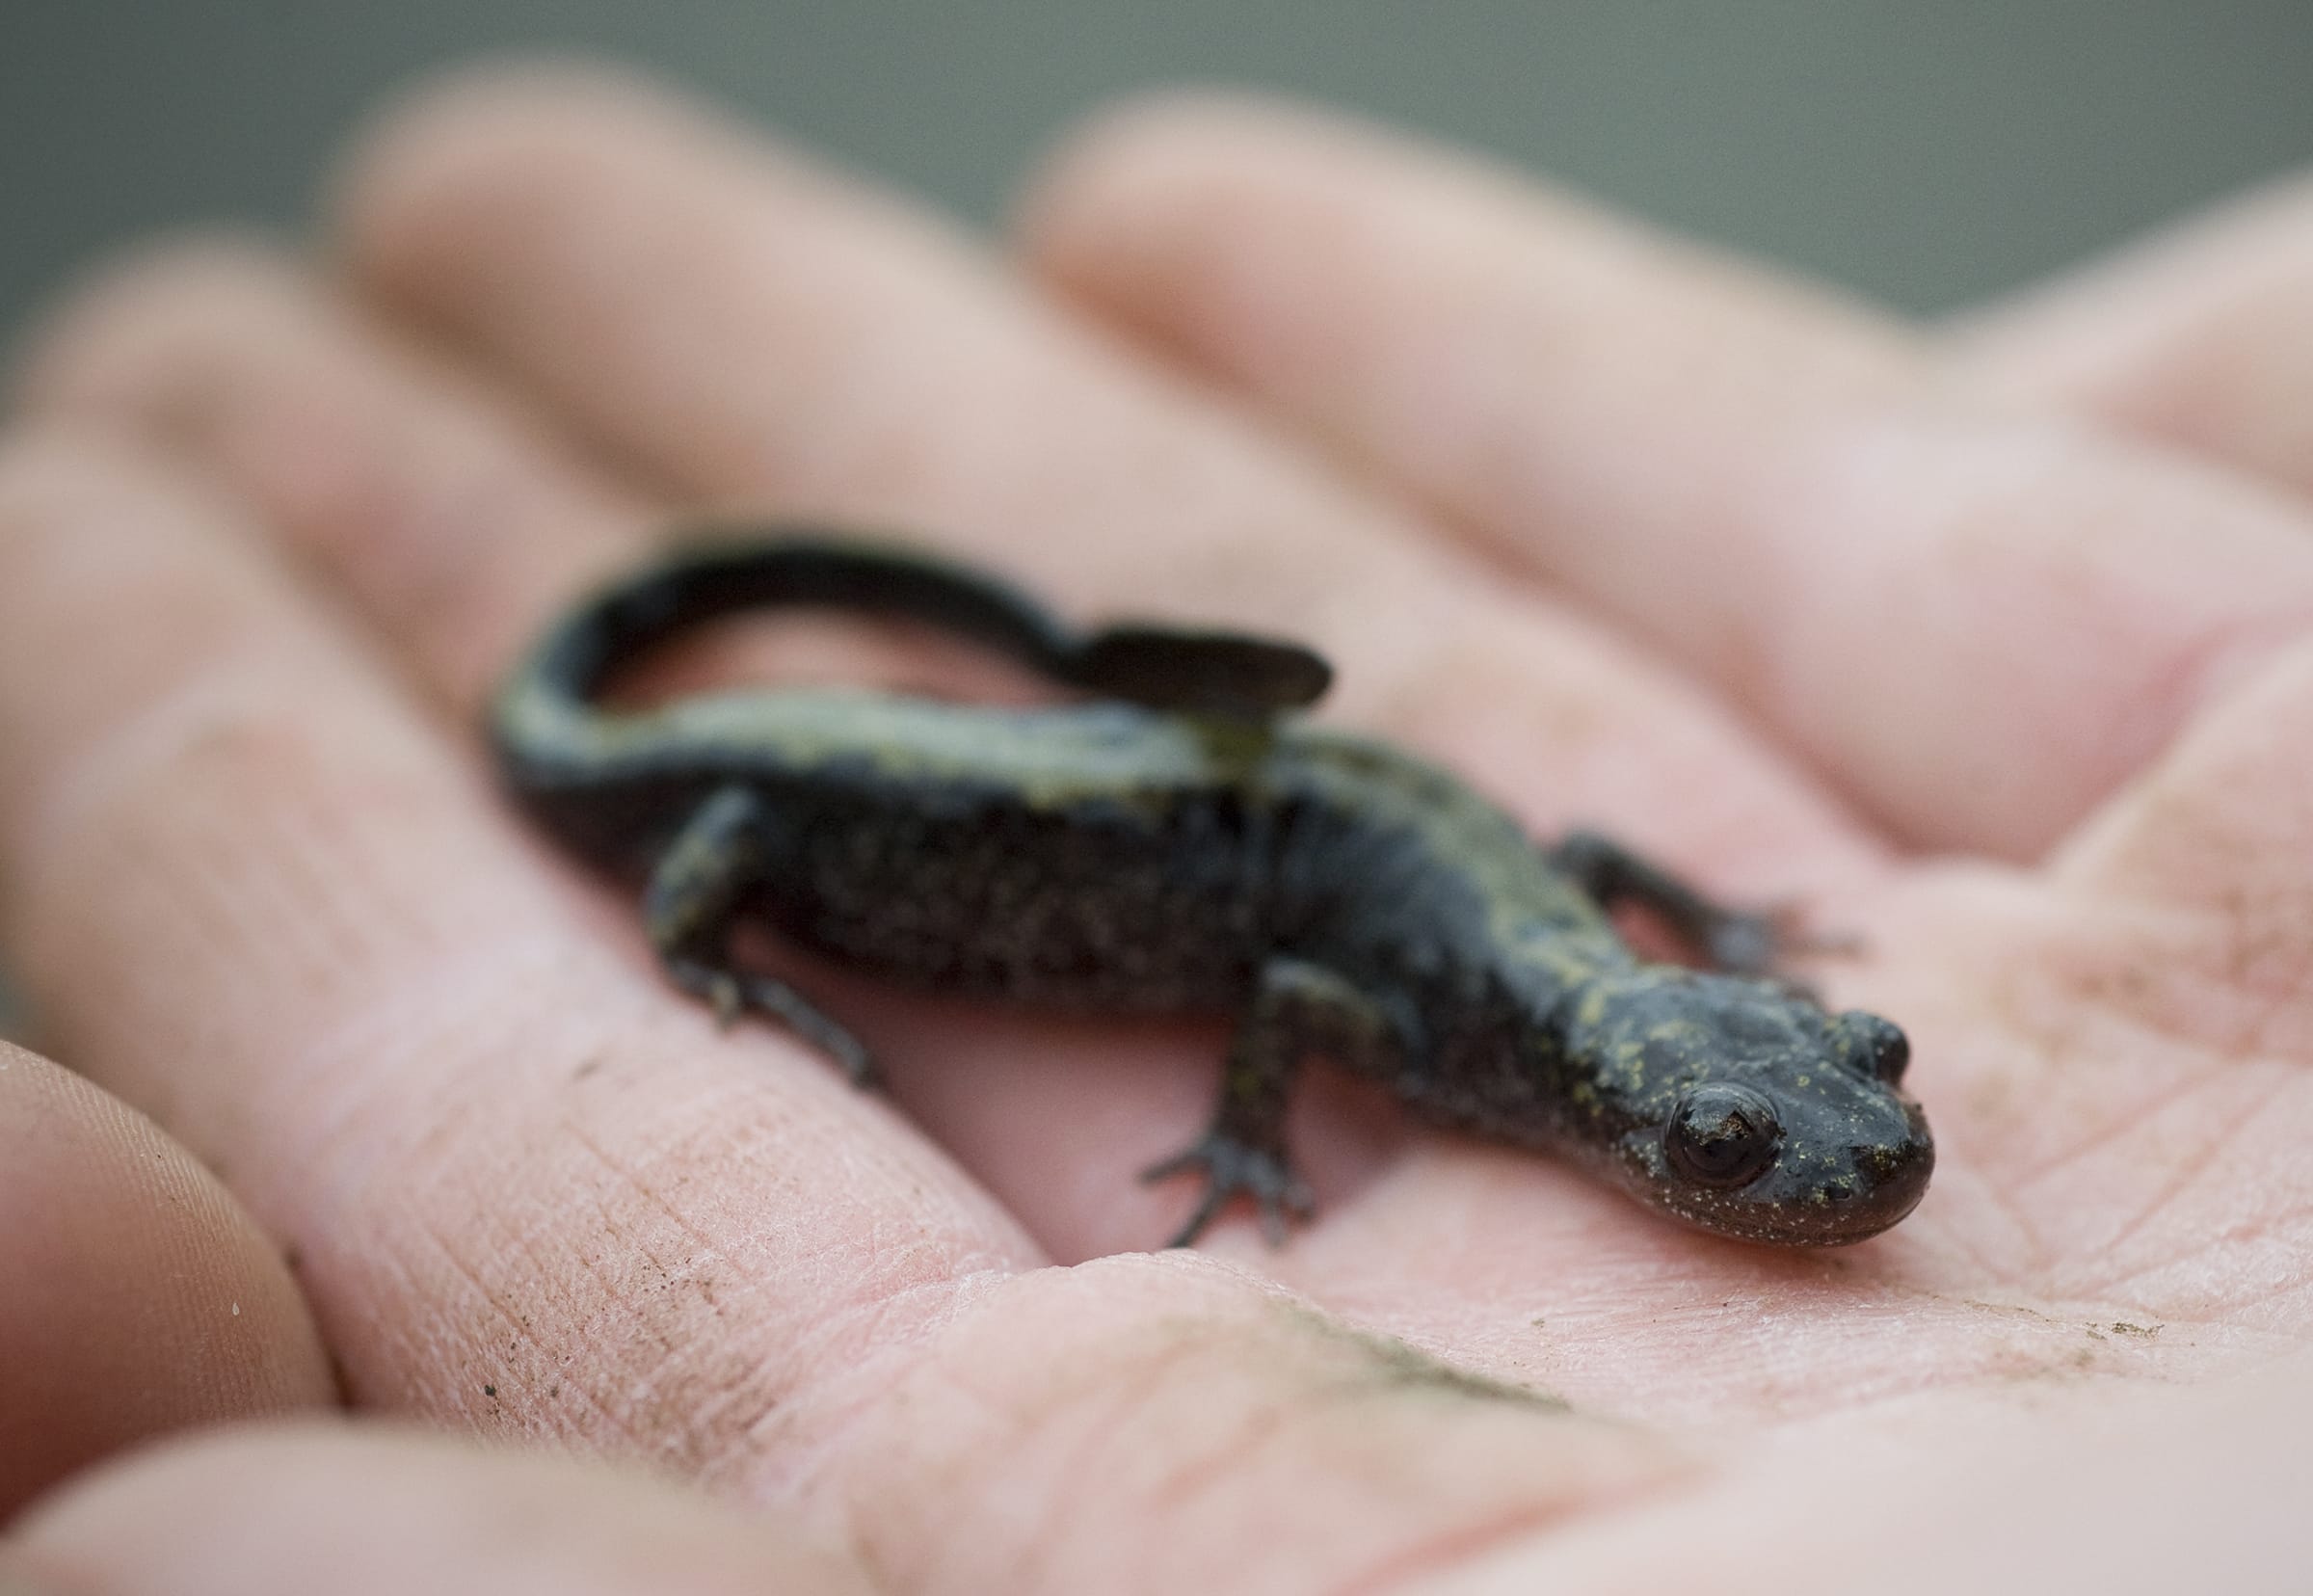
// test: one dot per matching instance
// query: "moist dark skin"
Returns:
(1182, 841)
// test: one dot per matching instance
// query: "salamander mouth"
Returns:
(1834, 1222)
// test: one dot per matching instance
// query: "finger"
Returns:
(2201, 337)
(265, 1512)
(1977, 621)
(607, 251)
(140, 1299)
(250, 892)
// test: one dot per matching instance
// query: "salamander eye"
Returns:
(1881, 1051)
(1721, 1135)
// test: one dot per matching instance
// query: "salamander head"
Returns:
(1740, 1107)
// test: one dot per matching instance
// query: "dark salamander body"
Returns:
(1183, 842)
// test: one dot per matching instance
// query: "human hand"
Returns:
(1788, 594)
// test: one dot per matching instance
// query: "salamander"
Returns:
(1177, 837)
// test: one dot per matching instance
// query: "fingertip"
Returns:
(488, 148)
(129, 339)
(1189, 131)
(456, 148)
(143, 1299)
(1194, 170)
(1136, 168)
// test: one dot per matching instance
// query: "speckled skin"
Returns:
(1200, 847)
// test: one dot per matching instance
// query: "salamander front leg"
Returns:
(1297, 1008)
(695, 895)
(1732, 941)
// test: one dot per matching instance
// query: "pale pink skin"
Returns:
(1980, 642)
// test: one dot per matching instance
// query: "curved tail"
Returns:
(1162, 667)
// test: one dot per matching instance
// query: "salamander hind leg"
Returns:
(1297, 1008)
(689, 907)
(1734, 942)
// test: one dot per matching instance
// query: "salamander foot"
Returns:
(1232, 1167)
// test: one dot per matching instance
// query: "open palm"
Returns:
(1816, 607)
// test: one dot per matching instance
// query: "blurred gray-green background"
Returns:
(1928, 152)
